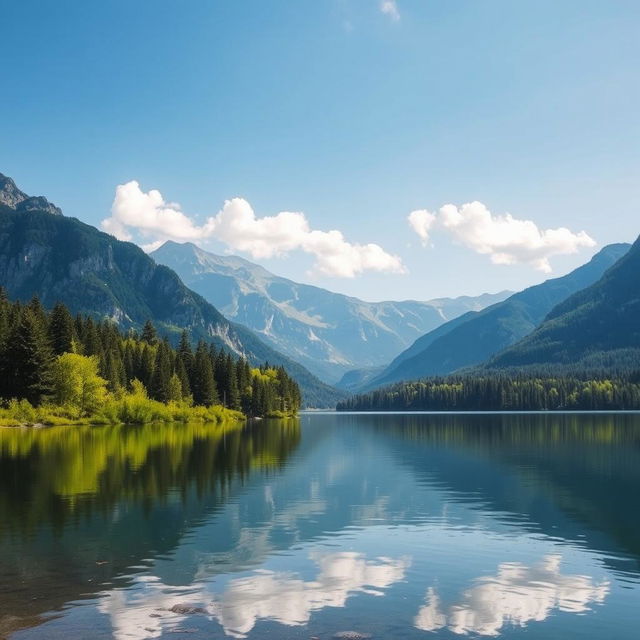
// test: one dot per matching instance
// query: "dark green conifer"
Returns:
(203, 384)
(61, 330)
(149, 333)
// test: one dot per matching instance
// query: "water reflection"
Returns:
(284, 597)
(327, 523)
(516, 595)
(80, 506)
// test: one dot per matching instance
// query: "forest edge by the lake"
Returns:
(57, 369)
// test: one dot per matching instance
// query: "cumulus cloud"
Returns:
(505, 239)
(421, 222)
(237, 225)
(517, 594)
(390, 8)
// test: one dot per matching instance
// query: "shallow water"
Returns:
(398, 526)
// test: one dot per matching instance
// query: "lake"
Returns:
(397, 526)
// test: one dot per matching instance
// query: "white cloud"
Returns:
(390, 8)
(517, 594)
(237, 225)
(505, 239)
(421, 222)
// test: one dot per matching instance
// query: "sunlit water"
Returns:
(398, 526)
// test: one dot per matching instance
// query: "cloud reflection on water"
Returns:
(517, 595)
(280, 596)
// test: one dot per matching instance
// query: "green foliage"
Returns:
(502, 392)
(105, 376)
(26, 357)
(77, 385)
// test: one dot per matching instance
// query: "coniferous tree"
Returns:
(146, 365)
(183, 376)
(28, 359)
(185, 352)
(231, 383)
(61, 330)
(149, 333)
(159, 384)
(203, 384)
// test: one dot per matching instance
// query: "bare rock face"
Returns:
(18, 200)
(38, 203)
(10, 195)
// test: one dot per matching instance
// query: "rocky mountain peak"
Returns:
(14, 198)
(10, 195)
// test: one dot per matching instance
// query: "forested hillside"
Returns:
(507, 392)
(80, 364)
(475, 337)
(61, 259)
(598, 326)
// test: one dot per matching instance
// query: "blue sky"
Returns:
(352, 115)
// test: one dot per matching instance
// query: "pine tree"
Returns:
(203, 384)
(183, 376)
(149, 333)
(61, 330)
(159, 385)
(184, 352)
(28, 359)
(233, 394)
(146, 365)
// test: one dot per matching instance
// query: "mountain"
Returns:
(599, 325)
(328, 332)
(62, 259)
(476, 336)
(12, 197)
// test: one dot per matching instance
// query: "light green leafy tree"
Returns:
(77, 384)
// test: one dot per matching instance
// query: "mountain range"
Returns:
(598, 326)
(475, 337)
(61, 259)
(327, 332)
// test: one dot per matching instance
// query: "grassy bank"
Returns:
(127, 408)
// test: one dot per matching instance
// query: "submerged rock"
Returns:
(186, 609)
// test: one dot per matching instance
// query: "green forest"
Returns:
(57, 369)
(503, 392)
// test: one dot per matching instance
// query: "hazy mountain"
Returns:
(477, 336)
(328, 332)
(598, 326)
(63, 259)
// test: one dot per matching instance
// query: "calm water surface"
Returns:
(398, 526)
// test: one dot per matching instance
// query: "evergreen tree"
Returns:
(203, 384)
(28, 359)
(159, 385)
(61, 330)
(149, 333)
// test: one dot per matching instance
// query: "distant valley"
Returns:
(329, 333)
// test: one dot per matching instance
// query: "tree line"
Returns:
(42, 352)
(503, 392)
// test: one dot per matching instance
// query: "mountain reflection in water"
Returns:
(394, 525)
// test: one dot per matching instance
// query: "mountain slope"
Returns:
(475, 337)
(328, 332)
(63, 259)
(599, 323)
